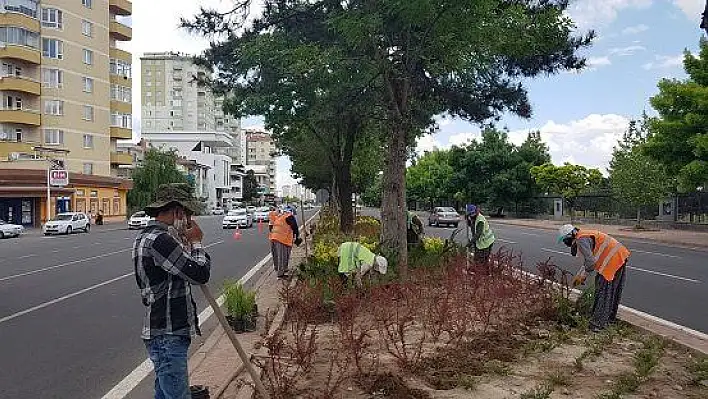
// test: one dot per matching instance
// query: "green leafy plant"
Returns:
(239, 302)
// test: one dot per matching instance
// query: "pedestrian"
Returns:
(608, 257)
(284, 232)
(414, 229)
(481, 236)
(165, 269)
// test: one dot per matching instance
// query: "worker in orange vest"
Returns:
(284, 232)
(606, 256)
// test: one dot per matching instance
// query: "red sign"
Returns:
(58, 177)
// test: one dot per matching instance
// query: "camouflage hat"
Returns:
(169, 195)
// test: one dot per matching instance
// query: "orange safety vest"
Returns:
(271, 217)
(609, 254)
(281, 231)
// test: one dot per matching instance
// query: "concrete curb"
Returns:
(621, 235)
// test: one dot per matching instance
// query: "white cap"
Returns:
(565, 231)
(382, 264)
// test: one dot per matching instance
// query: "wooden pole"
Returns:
(304, 228)
(234, 341)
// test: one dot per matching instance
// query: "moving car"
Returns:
(67, 223)
(10, 230)
(251, 209)
(444, 215)
(237, 217)
(139, 220)
(261, 213)
(217, 211)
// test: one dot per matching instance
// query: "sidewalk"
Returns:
(683, 238)
(216, 364)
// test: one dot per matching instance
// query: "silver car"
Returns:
(10, 230)
(444, 216)
(237, 217)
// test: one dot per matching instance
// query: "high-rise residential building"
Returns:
(260, 157)
(179, 114)
(66, 100)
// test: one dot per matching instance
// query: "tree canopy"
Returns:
(678, 135)
(567, 180)
(158, 167)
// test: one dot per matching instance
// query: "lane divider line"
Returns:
(59, 266)
(656, 253)
(639, 269)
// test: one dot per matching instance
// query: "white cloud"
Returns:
(633, 30)
(462, 139)
(626, 51)
(589, 14)
(692, 8)
(428, 143)
(665, 61)
(588, 141)
(595, 62)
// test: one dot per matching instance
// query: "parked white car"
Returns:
(237, 217)
(67, 223)
(10, 230)
(262, 213)
(139, 220)
(217, 211)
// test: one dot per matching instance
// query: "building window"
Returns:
(123, 94)
(80, 193)
(88, 170)
(53, 48)
(54, 107)
(88, 141)
(88, 85)
(52, 18)
(52, 78)
(88, 113)
(19, 36)
(11, 70)
(12, 102)
(119, 119)
(87, 28)
(53, 136)
(87, 3)
(88, 57)
(121, 68)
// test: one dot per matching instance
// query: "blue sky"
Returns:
(580, 115)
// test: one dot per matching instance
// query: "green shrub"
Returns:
(239, 302)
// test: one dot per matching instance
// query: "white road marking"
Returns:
(61, 299)
(655, 253)
(639, 269)
(132, 380)
(528, 234)
(506, 241)
(664, 274)
(555, 252)
(73, 262)
(26, 256)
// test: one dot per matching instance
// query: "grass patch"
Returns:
(558, 379)
(543, 391)
(645, 360)
(698, 370)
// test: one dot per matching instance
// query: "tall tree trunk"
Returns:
(344, 194)
(393, 204)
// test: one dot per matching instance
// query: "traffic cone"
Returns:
(260, 226)
(237, 233)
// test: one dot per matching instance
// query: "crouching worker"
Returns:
(356, 260)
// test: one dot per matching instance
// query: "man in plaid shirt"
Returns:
(168, 258)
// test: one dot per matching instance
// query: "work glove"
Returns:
(579, 279)
(298, 241)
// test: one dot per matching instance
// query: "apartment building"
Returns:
(66, 100)
(180, 115)
(260, 158)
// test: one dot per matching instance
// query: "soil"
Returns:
(499, 366)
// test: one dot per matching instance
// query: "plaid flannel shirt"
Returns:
(165, 271)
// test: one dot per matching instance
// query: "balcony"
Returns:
(120, 32)
(122, 107)
(121, 80)
(121, 158)
(23, 53)
(120, 7)
(9, 147)
(23, 85)
(121, 55)
(121, 133)
(20, 116)
(19, 20)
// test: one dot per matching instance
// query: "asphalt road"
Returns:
(662, 280)
(70, 312)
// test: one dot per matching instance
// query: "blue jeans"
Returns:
(169, 356)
